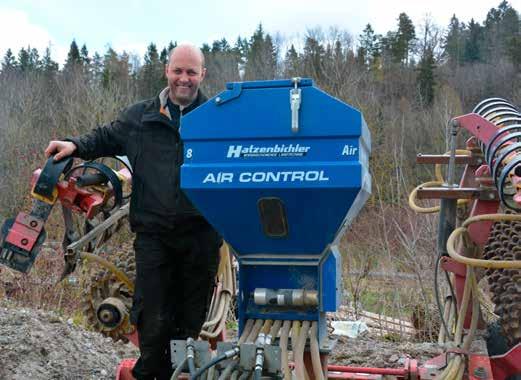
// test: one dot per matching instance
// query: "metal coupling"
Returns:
(231, 353)
(190, 352)
(260, 340)
(285, 297)
(259, 358)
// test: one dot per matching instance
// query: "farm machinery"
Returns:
(280, 169)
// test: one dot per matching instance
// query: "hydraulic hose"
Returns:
(228, 370)
(300, 368)
(234, 363)
(442, 336)
(261, 342)
(492, 264)
(284, 335)
(246, 331)
(221, 302)
(428, 210)
(227, 355)
(315, 352)
(453, 370)
(438, 182)
(179, 369)
(245, 375)
(275, 328)
(254, 331)
(190, 356)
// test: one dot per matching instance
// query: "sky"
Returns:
(131, 25)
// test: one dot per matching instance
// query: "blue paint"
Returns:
(239, 148)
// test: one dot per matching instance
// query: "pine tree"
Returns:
(163, 56)
(49, 67)
(84, 56)
(9, 62)
(454, 42)
(313, 58)
(369, 49)
(97, 68)
(151, 77)
(24, 60)
(473, 43)
(73, 57)
(405, 38)
(292, 65)
(261, 60)
(426, 78)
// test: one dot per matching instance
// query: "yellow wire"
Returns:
(491, 264)
(438, 182)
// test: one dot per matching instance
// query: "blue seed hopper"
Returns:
(280, 169)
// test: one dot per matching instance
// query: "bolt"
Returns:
(106, 316)
(480, 373)
(454, 123)
(25, 241)
(33, 223)
(218, 99)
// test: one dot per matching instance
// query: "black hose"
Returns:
(194, 375)
(437, 296)
(228, 370)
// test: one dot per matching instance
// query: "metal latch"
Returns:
(295, 98)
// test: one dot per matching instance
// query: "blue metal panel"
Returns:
(264, 113)
(331, 280)
(239, 148)
(252, 277)
(244, 150)
(303, 82)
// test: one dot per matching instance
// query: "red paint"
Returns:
(133, 338)
(24, 231)
(508, 364)
(124, 370)
(369, 370)
(479, 368)
(481, 128)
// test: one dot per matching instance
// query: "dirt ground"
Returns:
(369, 351)
(41, 345)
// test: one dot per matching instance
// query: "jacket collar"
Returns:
(158, 110)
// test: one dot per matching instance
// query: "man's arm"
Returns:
(108, 140)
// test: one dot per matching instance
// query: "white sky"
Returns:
(132, 24)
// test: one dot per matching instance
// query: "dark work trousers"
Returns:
(175, 275)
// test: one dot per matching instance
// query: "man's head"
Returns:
(185, 71)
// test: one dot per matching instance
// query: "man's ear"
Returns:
(166, 69)
(203, 73)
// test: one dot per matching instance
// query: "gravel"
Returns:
(41, 345)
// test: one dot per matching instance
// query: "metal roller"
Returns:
(503, 152)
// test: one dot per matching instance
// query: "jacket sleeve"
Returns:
(108, 140)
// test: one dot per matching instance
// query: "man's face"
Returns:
(184, 73)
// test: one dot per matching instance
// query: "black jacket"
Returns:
(150, 139)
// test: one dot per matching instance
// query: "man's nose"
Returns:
(184, 77)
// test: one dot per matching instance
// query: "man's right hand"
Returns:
(61, 149)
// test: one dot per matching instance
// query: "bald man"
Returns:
(176, 249)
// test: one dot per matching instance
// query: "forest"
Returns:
(408, 83)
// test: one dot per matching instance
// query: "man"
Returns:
(176, 249)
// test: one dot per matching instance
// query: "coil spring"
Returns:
(503, 151)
